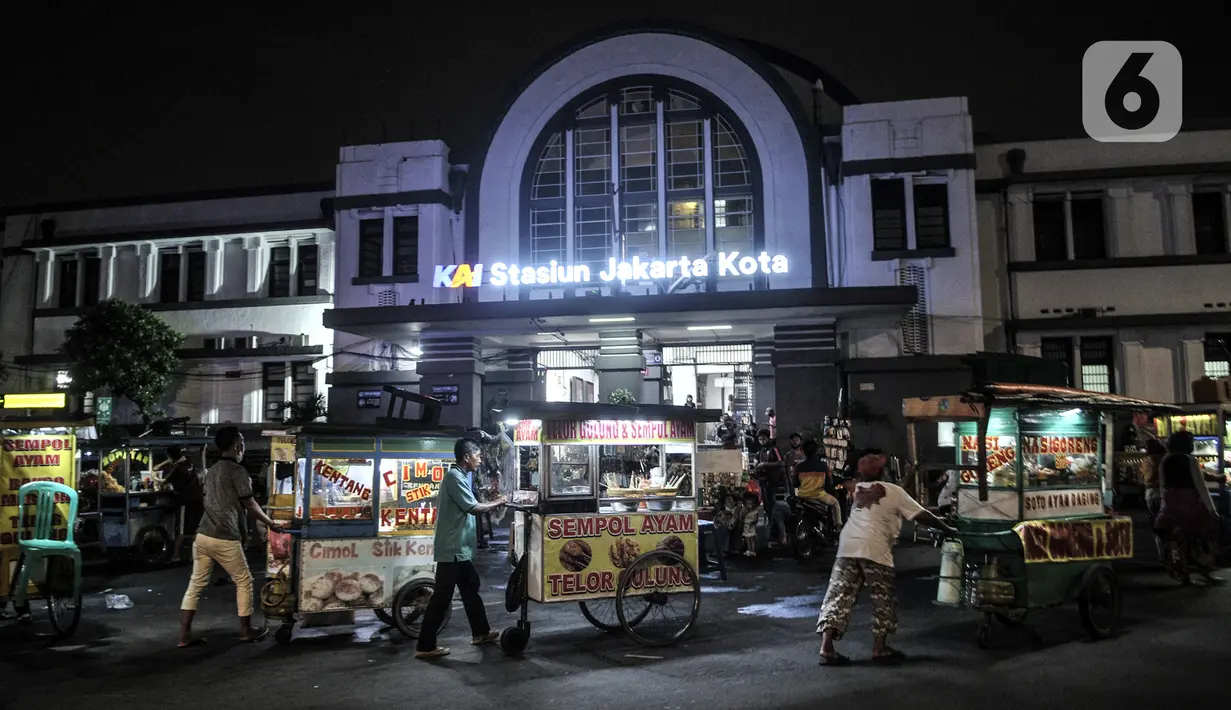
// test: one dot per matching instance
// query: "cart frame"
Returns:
(1016, 572)
(635, 586)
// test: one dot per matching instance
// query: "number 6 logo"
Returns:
(1132, 92)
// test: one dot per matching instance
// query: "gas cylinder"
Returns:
(952, 559)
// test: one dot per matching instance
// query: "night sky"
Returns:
(111, 102)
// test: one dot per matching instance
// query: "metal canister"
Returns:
(952, 562)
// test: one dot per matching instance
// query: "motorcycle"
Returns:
(814, 528)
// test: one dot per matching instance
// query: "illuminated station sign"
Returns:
(730, 263)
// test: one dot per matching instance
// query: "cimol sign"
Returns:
(729, 263)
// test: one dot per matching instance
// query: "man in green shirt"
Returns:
(455, 541)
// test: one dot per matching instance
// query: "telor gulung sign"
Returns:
(729, 263)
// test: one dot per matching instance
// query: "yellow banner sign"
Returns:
(584, 556)
(23, 459)
(282, 448)
(1076, 540)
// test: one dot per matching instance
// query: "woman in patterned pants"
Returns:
(865, 559)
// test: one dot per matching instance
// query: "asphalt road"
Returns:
(754, 646)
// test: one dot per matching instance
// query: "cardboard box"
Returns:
(1210, 391)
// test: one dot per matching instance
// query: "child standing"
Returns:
(751, 510)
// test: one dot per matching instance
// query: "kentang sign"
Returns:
(729, 263)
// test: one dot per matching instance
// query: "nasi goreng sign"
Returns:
(729, 263)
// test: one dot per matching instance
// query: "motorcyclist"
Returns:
(816, 482)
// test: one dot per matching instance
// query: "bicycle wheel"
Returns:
(409, 605)
(65, 613)
(602, 614)
(658, 598)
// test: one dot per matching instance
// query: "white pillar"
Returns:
(253, 249)
(1121, 238)
(1183, 237)
(147, 257)
(107, 265)
(46, 278)
(1191, 365)
(1021, 224)
(215, 266)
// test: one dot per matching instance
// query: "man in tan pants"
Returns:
(228, 502)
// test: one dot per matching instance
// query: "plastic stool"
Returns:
(707, 531)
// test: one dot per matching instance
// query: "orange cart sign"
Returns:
(584, 556)
(23, 459)
(1076, 540)
(618, 432)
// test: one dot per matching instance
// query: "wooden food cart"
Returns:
(1032, 500)
(138, 515)
(360, 511)
(606, 516)
(1210, 425)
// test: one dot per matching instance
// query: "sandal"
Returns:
(195, 641)
(889, 655)
(489, 637)
(255, 635)
(837, 659)
(437, 652)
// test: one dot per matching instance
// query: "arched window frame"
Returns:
(544, 203)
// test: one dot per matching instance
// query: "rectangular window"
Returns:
(639, 158)
(686, 229)
(91, 283)
(889, 215)
(1097, 365)
(1218, 355)
(733, 224)
(279, 276)
(69, 269)
(303, 383)
(685, 156)
(641, 230)
(168, 277)
(273, 383)
(309, 270)
(592, 153)
(1209, 222)
(1060, 350)
(371, 248)
(1089, 226)
(931, 215)
(547, 237)
(406, 246)
(196, 275)
(593, 237)
(1050, 240)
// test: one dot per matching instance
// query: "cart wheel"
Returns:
(385, 617)
(602, 614)
(1011, 619)
(283, 635)
(409, 605)
(1100, 601)
(513, 640)
(984, 638)
(658, 598)
(515, 590)
(65, 613)
(154, 546)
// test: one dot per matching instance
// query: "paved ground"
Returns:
(754, 647)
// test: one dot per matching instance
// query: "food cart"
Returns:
(38, 450)
(139, 516)
(1210, 425)
(606, 516)
(360, 510)
(1031, 502)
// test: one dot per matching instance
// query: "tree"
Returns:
(305, 412)
(124, 350)
(621, 396)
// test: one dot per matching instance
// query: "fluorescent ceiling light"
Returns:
(709, 327)
(545, 333)
(618, 319)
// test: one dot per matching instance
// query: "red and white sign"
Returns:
(618, 432)
(1047, 504)
(528, 432)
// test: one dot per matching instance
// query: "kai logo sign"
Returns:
(728, 264)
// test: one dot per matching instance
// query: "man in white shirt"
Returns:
(865, 559)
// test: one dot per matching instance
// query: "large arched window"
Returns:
(641, 169)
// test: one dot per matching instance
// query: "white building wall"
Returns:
(236, 303)
(1152, 269)
(903, 132)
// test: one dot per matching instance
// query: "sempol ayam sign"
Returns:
(729, 263)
